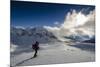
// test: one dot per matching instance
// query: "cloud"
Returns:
(76, 19)
(76, 23)
(51, 28)
(56, 23)
(54, 30)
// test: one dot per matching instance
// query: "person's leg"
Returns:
(35, 54)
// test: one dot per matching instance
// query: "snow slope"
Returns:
(53, 53)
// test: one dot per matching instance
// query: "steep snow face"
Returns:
(27, 36)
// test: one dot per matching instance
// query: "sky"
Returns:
(39, 14)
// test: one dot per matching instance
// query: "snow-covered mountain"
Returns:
(79, 38)
(91, 40)
(27, 36)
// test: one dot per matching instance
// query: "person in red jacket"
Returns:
(35, 47)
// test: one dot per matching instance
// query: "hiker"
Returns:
(35, 47)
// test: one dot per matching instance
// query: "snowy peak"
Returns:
(27, 36)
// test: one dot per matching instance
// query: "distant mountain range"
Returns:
(81, 38)
(92, 40)
(26, 36)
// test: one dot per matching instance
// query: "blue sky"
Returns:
(39, 14)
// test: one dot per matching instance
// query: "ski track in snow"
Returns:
(56, 53)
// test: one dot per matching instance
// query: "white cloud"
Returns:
(56, 23)
(51, 28)
(75, 23)
(20, 27)
(54, 30)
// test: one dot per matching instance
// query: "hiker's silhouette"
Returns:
(35, 47)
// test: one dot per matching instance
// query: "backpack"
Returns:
(35, 46)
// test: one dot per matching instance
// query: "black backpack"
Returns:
(35, 46)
